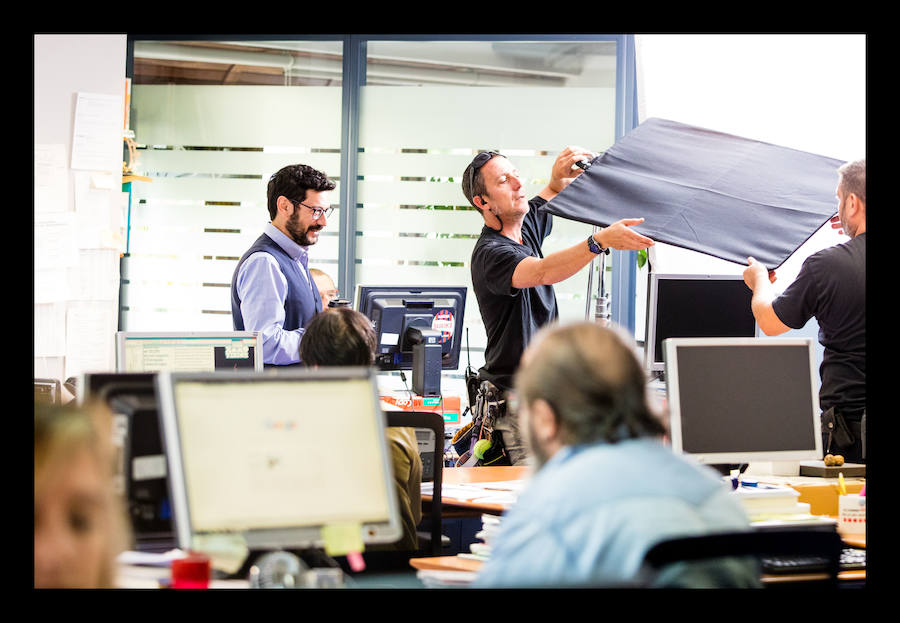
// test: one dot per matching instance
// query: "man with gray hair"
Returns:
(606, 487)
(831, 287)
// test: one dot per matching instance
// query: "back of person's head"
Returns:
(79, 521)
(339, 336)
(592, 379)
(853, 179)
(293, 181)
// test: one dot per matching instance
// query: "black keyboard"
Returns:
(852, 558)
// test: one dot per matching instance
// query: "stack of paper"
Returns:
(481, 550)
(773, 505)
(434, 578)
(496, 493)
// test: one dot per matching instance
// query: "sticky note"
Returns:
(226, 551)
(343, 538)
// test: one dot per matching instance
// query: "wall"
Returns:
(78, 212)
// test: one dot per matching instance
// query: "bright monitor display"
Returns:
(738, 400)
(189, 351)
(685, 305)
(275, 457)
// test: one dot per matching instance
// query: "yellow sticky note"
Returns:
(341, 539)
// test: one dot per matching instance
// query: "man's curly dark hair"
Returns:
(293, 181)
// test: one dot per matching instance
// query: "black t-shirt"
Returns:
(511, 316)
(831, 286)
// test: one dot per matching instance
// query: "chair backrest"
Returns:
(432, 460)
(760, 543)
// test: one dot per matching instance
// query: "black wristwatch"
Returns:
(594, 247)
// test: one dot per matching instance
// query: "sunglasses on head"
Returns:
(477, 162)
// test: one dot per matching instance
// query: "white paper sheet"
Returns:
(97, 141)
(90, 331)
(51, 178)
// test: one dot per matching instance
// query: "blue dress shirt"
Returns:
(589, 515)
(262, 289)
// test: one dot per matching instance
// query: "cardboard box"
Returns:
(448, 406)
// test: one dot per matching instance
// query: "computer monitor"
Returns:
(47, 391)
(683, 305)
(141, 471)
(275, 458)
(417, 328)
(188, 351)
(743, 400)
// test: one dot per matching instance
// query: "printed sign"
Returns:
(443, 322)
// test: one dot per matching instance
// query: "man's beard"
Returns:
(537, 452)
(299, 235)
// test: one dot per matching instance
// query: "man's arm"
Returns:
(262, 290)
(760, 280)
(561, 265)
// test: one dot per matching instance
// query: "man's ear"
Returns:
(283, 206)
(544, 422)
(479, 202)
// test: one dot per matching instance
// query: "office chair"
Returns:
(759, 543)
(432, 468)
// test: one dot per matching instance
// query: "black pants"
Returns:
(853, 452)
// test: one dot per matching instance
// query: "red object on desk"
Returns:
(192, 571)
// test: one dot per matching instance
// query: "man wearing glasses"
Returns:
(272, 290)
(512, 279)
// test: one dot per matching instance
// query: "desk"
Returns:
(820, 493)
(463, 475)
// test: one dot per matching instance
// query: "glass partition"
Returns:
(427, 107)
(212, 120)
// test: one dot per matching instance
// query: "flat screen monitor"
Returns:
(47, 391)
(276, 458)
(740, 400)
(188, 351)
(682, 305)
(141, 470)
(394, 310)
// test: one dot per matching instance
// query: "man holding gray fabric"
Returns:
(512, 279)
(831, 286)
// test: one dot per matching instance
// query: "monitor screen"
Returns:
(190, 351)
(737, 400)
(695, 306)
(394, 310)
(275, 458)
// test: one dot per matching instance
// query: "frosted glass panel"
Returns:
(415, 227)
(209, 151)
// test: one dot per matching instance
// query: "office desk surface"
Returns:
(465, 475)
(820, 493)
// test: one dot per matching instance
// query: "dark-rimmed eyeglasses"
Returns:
(317, 212)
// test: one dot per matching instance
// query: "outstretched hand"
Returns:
(620, 236)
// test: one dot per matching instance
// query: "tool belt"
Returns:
(477, 443)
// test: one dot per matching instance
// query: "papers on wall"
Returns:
(50, 330)
(97, 136)
(55, 245)
(89, 342)
(96, 277)
(101, 212)
(51, 178)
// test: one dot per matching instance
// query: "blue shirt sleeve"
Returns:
(262, 290)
